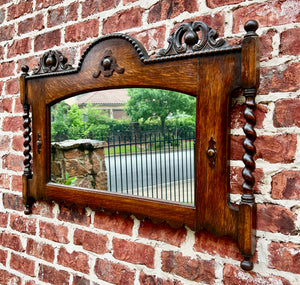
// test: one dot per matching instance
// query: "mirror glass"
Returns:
(132, 141)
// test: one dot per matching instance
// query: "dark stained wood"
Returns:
(206, 68)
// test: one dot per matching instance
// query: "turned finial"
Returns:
(25, 69)
(250, 27)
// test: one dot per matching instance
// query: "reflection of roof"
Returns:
(105, 97)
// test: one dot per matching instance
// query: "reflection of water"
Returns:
(164, 175)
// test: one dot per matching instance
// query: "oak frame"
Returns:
(212, 71)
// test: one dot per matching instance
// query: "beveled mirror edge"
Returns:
(245, 232)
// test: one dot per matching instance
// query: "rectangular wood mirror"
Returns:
(76, 151)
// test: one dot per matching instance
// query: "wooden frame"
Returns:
(207, 68)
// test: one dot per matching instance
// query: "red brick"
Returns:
(162, 232)
(236, 180)
(74, 215)
(3, 219)
(31, 24)
(9, 278)
(4, 181)
(16, 10)
(268, 14)
(23, 225)
(286, 185)
(13, 124)
(5, 143)
(18, 105)
(286, 113)
(114, 223)
(280, 79)
(3, 257)
(7, 33)
(123, 20)
(31, 62)
(47, 40)
(43, 209)
(40, 4)
(218, 3)
(80, 280)
(7, 69)
(12, 162)
(51, 275)
(284, 257)
(11, 241)
(90, 7)
(192, 269)
(62, 15)
(273, 218)
(169, 9)
(40, 250)
(82, 31)
(19, 47)
(14, 202)
(233, 275)
(54, 232)
(6, 105)
(151, 39)
(266, 45)
(152, 279)
(17, 144)
(2, 2)
(22, 264)
(1, 57)
(114, 273)
(75, 260)
(133, 252)
(12, 86)
(223, 246)
(289, 44)
(16, 183)
(91, 241)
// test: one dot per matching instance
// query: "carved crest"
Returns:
(185, 39)
(52, 61)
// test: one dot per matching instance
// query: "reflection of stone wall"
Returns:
(83, 159)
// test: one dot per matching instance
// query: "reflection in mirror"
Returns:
(131, 141)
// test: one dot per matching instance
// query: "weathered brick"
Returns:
(284, 257)
(218, 3)
(3, 219)
(54, 232)
(192, 269)
(233, 275)
(171, 8)
(16, 10)
(12, 86)
(12, 162)
(62, 15)
(114, 223)
(11, 241)
(282, 78)
(124, 20)
(81, 31)
(22, 224)
(91, 241)
(133, 252)
(31, 24)
(162, 232)
(4, 180)
(268, 14)
(21, 46)
(3, 257)
(114, 273)
(286, 113)
(7, 69)
(6, 105)
(5, 143)
(22, 264)
(47, 40)
(12, 201)
(273, 218)
(40, 4)
(18, 105)
(2, 51)
(76, 260)
(40, 250)
(286, 185)
(2, 15)
(51, 275)
(80, 280)
(90, 7)
(13, 124)
(74, 215)
(289, 44)
(16, 183)
(17, 144)
(7, 32)
(152, 279)
(43, 209)
(9, 278)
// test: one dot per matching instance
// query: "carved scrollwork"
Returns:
(185, 40)
(52, 61)
(108, 65)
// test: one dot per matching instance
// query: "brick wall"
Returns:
(66, 245)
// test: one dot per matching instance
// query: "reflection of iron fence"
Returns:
(152, 165)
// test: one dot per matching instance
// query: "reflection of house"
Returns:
(111, 101)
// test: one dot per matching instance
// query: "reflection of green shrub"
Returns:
(67, 180)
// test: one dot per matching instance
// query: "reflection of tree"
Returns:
(149, 104)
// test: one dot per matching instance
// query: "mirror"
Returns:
(131, 141)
